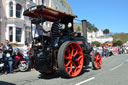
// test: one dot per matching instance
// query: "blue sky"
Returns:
(111, 14)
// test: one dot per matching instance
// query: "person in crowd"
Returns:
(25, 52)
(1, 55)
(56, 33)
(107, 51)
(94, 49)
(39, 30)
(125, 51)
(111, 51)
(99, 49)
(103, 51)
(1, 46)
(7, 54)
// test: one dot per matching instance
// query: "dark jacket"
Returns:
(9, 50)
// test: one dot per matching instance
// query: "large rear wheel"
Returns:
(70, 59)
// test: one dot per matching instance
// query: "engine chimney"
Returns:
(84, 29)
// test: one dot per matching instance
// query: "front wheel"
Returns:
(70, 59)
(96, 61)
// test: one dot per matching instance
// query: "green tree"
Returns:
(96, 43)
(106, 31)
(117, 42)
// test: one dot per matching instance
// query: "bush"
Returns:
(96, 43)
(117, 43)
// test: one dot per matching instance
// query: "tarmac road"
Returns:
(114, 72)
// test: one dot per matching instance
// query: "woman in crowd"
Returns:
(7, 54)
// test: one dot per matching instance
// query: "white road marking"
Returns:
(127, 60)
(85, 81)
(116, 67)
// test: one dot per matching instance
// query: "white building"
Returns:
(98, 36)
(14, 26)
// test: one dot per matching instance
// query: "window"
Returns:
(18, 34)
(18, 10)
(10, 34)
(27, 35)
(11, 9)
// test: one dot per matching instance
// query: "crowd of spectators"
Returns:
(7, 55)
(109, 50)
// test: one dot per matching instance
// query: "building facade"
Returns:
(12, 21)
(98, 36)
(14, 26)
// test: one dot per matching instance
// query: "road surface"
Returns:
(114, 72)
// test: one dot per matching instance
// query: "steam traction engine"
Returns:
(64, 50)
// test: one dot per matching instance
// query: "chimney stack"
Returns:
(84, 29)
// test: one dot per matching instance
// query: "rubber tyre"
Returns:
(77, 60)
(96, 64)
(23, 67)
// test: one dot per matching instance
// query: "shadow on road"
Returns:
(49, 76)
(85, 69)
(59, 74)
(6, 83)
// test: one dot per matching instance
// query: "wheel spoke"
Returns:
(95, 58)
(72, 50)
(76, 52)
(97, 65)
(68, 58)
(79, 63)
(80, 57)
(69, 55)
(68, 63)
(75, 67)
(70, 68)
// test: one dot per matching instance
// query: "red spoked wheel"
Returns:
(70, 59)
(96, 61)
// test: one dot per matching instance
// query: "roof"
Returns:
(49, 14)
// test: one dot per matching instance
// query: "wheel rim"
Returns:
(97, 60)
(23, 67)
(73, 59)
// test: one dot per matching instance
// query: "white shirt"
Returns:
(35, 31)
(26, 49)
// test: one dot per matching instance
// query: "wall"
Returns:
(3, 20)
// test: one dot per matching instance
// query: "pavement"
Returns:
(114, 71)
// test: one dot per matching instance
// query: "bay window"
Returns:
(11, 34)
(18, 34)
(18, 10)
(11, 9)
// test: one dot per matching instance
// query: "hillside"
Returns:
(90, 27)
(120, 36)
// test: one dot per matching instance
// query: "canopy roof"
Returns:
(49, 14)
